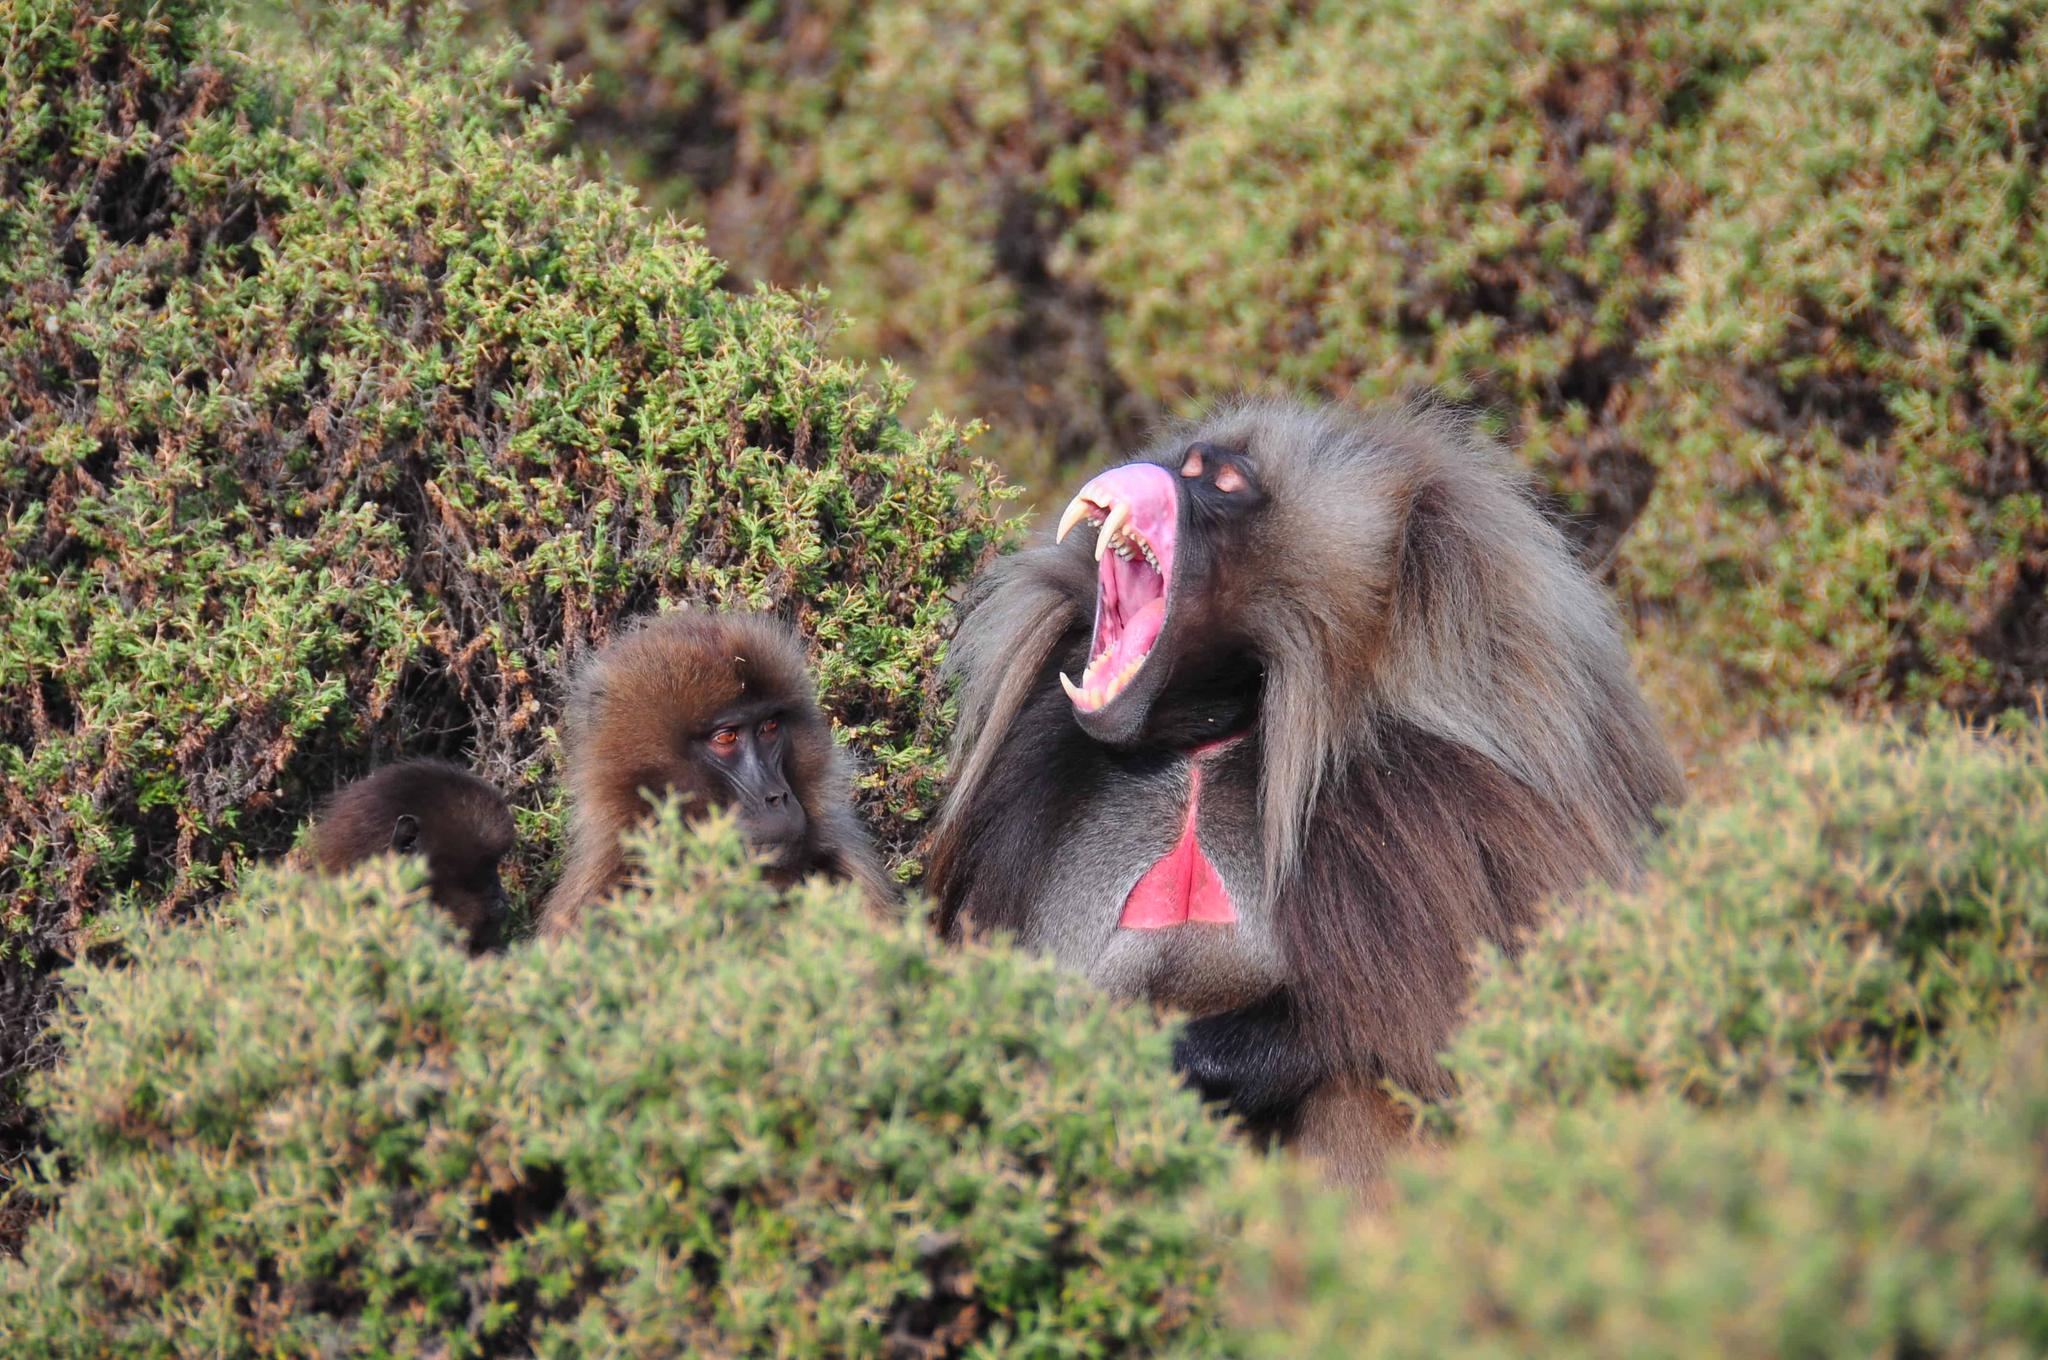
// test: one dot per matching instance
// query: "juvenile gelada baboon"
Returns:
(458, 823)
(1321, 703)
(718, 708)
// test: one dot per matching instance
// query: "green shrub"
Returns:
(1755, 284)
(1653, 1229)
(924, 159)
(1868, 899)
(338, 415)
(722, 1122)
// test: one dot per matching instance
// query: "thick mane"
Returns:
(1411, 581)
(1414, 582)
(1450, 731)
(1446, 735)
(1014, 615)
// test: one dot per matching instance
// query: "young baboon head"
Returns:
(459, 824)
(719, 709)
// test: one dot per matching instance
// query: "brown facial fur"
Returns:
(1446, 735)
(635, 713)
(461, 827)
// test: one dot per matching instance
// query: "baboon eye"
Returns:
(771, 727)
(1193, 466)
(1229, 479)
(724, 739)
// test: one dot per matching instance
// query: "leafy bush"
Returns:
(1870, 897)
(1654, 1229)
(799, 1133)
(924, 159)
(338, 414)
(1753, 282)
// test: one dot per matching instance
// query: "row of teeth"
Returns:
(1100, 692)
(1116, 533)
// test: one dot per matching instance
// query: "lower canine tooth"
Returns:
(1074, 691)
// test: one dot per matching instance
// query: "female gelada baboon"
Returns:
(720, 709)
(1321, 702)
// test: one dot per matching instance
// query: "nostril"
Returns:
(776, 800)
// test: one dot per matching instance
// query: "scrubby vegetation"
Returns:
(335, 415)
(808, 1133)
(927, 160)
(1754, 284)
(1756, 1106)
(1652, 1229)
(1871, 897)
(803, 1133)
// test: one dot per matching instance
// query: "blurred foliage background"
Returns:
(1758, 286)
(363, 364)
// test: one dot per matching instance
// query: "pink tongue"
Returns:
(1183, 886)
(1141, 630)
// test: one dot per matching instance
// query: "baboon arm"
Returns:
(589, 876)
(1254, 1058)
(850, 853)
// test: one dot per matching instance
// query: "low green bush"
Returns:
(337, 415)
(721, 1121)
(1656, 1229)
(1868, 900)
(925, 160)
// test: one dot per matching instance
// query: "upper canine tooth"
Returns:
(1119, 515)
(1076, 509)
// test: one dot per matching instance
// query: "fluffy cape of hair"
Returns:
(1448, 733)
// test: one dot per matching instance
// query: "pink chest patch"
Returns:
(1183, 886)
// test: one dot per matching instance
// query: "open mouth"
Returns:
(1136, 509)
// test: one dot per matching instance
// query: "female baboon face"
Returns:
(720, 711)
(746, 749)
(1167, 540)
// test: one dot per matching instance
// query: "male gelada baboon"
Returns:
(1321, 703)
(441, 812)
(718, 708)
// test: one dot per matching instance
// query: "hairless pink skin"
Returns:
(1137, 510)
(1183, 885)
(1130, 595)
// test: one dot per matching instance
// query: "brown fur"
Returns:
(1447, 734)
(1349, 1130)
(633, 712)
(464, 829)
